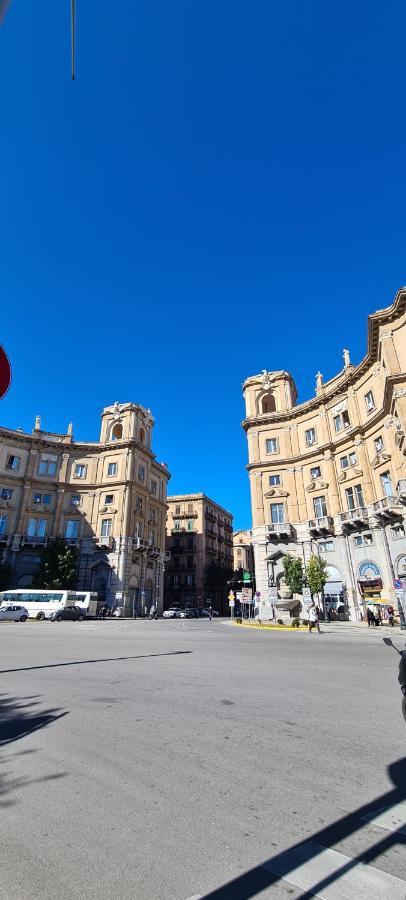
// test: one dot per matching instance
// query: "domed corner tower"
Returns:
(269, 392)
(126, 422)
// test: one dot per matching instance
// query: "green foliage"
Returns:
(293, 573)
(316, 574)
(295, 623)
(217, 588)
(58, 568)
(5, 576)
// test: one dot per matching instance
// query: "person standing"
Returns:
(391, 615)
(313, 617)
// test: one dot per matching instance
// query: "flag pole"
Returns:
(73, 17)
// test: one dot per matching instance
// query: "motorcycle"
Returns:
(402, 671)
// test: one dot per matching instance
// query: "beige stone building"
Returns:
(199, 536)
(328, 476)
(243, 551)
(106, 498)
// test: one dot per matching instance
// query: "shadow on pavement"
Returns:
(18, 718)
(279, 866)
(86, 662)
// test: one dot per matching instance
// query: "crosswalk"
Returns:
(322, 872)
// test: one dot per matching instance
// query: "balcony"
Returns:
(37, 541)
(356, 517)
(402, 488)
(279, 529)
(105, 542)
(4, 538)
(72, 541)
(322, 525)
(388, 507)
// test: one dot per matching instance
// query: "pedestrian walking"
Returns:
(313, 617)
(391, 615)
(370, 617)
(210, 613)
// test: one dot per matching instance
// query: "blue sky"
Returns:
(221, 190)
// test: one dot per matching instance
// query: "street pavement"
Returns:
(183, 759)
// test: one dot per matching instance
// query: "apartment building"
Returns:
(328, 476)
(243, 551)
(106, 498)
(200, 545)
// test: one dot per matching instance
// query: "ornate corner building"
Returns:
(328, 476)
(107, 498)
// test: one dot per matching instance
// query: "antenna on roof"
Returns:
(73, 24)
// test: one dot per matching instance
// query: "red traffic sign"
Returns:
(5, 373)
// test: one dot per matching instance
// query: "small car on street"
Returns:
(12, 613)
(173, 613)
(71, 613)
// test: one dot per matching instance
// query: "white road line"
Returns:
(311, 864)
(391, 818)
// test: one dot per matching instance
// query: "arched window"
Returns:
(268, 404)
(142, 436)
(117, 432)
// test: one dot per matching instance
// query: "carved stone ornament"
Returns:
(376, 370)
(386, 335)
(265, 380)
(347, 474)
(379, 459)
(276, 492)
(290, 469)
(33, 452)
(316, 485)
(400, 392)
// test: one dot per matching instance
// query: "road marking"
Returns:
(333, 876)
(391, 818)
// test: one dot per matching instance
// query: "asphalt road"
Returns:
(177, 759)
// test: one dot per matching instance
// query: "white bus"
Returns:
(40, 604)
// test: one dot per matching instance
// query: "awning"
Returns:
(373, 584)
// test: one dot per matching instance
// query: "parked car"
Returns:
(72, 613)
(13, 614)
(173, 613)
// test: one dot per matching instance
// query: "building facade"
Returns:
(106, 498)
(199, 538)
(243, 551)
(328, 476)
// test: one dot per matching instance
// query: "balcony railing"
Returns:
(356, 516)
(31, 539)
(279, 528)
(388, 506)
(323, 523)
(107, 542)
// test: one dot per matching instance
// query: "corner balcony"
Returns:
(354, 517)
(388, 507)
(106, 543)
(323, 525)
(279, 529)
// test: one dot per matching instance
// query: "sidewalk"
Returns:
(385, 630)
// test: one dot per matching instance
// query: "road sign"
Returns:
(246, 576)
(306, 596)
(231, 604)
(231, 595)
(5, 373)
(273, 593)
(397, 584)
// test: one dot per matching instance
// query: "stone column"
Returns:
(333, 495)
(366, 478)
(259, 499)
(389, 352)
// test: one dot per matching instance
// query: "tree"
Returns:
(316, 574)
(217, 576)
(293, 573)
(58, 568)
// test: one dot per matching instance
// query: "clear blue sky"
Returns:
(221, 190)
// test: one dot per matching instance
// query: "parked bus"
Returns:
(40, 604)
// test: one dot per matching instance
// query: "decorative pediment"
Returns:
(379, 459)
(347, 474)
(276, 492)
(7, 504)
(316, 485)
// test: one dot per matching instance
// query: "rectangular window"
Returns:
(153, 487)
(47, 464)
(326, 546)
(358, 540)
(368, 539)
(320, 507)
(272, 445)
(352, 458)
(6, 493)
(72, 529)
(13, 462)
(41, 498)
(36, 527)
(138, 504)
(346, 419)
(190, 525)
(315, 472)
(3, 525)
(152, 513)
(369, 401)
(80, 470)
(141, 473)
(177, 510)
(344, 462)
(349, 493)
(190, 507)
(386, 484)
(75, 500)
(310, 437)
(108, 499)
(337, 424)
(379, 445)
(274, 480)
(106, 527)
(112, 468)
(359, 497)
(398, 531)
(277, 513)
(341, 421)
(177, 526)
(189, 580)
